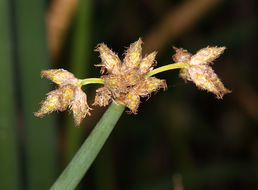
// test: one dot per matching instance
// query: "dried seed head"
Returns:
(132, 78)
(184, 74)
(130, 82)
(68, 94)
(59, 76)
(103, 97)
(205, 78)
(110, 60)
(79, 106)
(116, 84)
(57, 100)
(133, 54)
(199, 71)
(206, 55)
(147, 62)
(132, 101)
(151, 84)
(49, 105)
(181, 55)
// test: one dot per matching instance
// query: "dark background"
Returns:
(183, 138)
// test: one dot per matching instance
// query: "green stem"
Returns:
(91, 81)
(83, 159)
(178, 65)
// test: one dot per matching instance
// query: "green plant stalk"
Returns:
(178, 65)
(9, 166)
(83, 159)
(32, 57)
(91, 81)
(80, 59)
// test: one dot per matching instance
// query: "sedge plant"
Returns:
(124, 82)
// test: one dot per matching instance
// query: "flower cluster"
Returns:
(129, 80)
(126, 80)
(68, 95)
(199, 71)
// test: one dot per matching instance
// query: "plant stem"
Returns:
(91, 81)
(178, 65)
(83, 159)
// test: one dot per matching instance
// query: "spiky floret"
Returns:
(127, 81)
(68, 95)
(199, 71)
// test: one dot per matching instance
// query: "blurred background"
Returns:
(183, 138)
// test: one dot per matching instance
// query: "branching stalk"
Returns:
(151, 73)
(178, 65)
(91, 81)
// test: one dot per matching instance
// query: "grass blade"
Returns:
(9, 168)
(83, 159)
(32, 58)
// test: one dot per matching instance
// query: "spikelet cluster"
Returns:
(199, 70)
(68, 95)
(125, 80)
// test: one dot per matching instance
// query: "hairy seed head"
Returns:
(59, 76)
(206, 55)
(110, 61)
(147, 62)
(181, 55)
(50, 104)
(149, 85)
(103, 97)
(132, 101)
(198, 70)
(133, 54)
(79, 106)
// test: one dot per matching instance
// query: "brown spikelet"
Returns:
(133, 55)
(147, 62)
(68, 94)
(103, 97)
(181, 55)
(49, 105)
(132, 101)
(110, 61)
(205, 78)
(79, 106)
(59, 76)
(206, 55)
(199, 70)
(129, 83)
(151, 84)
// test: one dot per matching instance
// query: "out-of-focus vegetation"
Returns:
(182, 138)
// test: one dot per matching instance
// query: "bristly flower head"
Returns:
(68, 95)
(126, 80)
(129, 80)
(199, 71)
